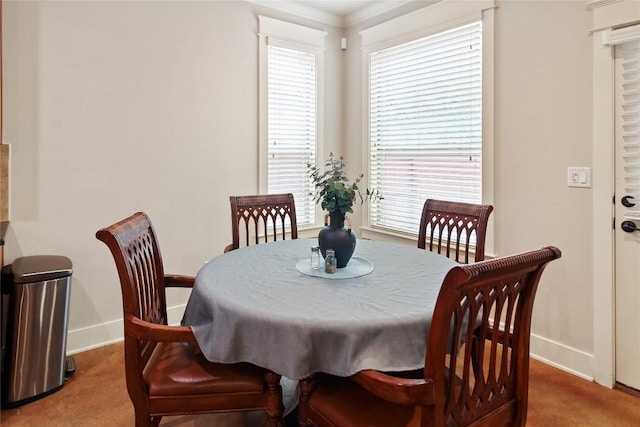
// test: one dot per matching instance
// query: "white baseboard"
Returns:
(563, 357)
(568, 359)
(83, 339)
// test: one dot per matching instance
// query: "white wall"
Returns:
(542, 126)
(114, 107)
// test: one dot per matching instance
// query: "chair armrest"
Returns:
(153, 332)
(403, 391)
(178, 281)
(228, 248)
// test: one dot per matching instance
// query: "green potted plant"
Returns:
(337, 194)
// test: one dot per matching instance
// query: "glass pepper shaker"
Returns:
(330, 261)
(315, 258)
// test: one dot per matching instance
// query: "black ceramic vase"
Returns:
(337, 237)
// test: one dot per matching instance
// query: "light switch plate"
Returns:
(579, 176)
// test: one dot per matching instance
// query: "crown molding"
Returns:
(302, 11)
(372, 11)
(594, 4)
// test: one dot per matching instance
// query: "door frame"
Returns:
(607, 15)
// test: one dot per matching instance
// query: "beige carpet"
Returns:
(97, 396)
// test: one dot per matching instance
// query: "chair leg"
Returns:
(306, 386)
(143, 419)
(275, 408)
(291, 420)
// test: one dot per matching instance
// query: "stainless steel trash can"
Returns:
(35, 304)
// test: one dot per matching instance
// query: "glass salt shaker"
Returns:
(315, 257)
(330, 261)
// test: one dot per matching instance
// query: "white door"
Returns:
(627, 213)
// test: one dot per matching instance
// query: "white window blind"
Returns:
(425, 125)
(292, 126)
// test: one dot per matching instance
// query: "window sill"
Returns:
(367, 233)
(309, 232)
(388, 236)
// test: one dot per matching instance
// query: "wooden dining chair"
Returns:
(166, 373)
(476, 368)
(449, 228)
(262, 218)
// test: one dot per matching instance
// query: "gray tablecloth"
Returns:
(253, 305)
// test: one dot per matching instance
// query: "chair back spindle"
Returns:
(454, 229)
(261, 219)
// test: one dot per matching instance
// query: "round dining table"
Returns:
(264, 304)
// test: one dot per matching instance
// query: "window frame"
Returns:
(422, 23)
(291, 36)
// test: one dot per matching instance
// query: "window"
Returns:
(291, 78)
(426, 134)
(292, 126)
(426, 125)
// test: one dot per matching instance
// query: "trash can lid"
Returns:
(39, 268)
